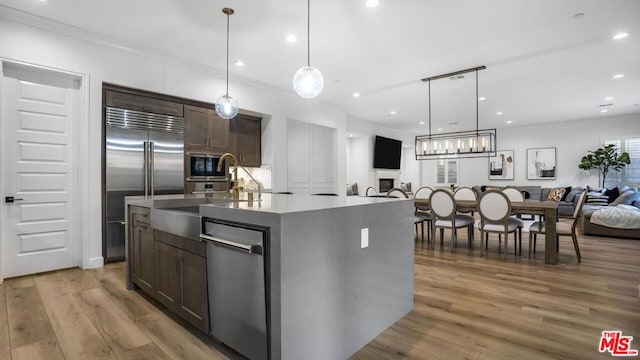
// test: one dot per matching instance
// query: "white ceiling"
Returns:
(542, 63)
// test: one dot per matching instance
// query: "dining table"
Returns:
(548, 209)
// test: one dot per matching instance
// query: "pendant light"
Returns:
(308, 81)
(226, 106)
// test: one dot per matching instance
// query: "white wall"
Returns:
(572, 140)
(69, 50)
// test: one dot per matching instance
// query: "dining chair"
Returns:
(443, 213)
(423, 193)
(418, 217)
(495, 210)
(370, 191)
(465, 193)
(515, 195)
(564, 227)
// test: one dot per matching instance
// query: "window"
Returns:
(630, 174)
(447, 171)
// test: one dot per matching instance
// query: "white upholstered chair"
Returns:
(564, 227)
(443, 213)
(515, 195)
(465, 193)
(495, 210)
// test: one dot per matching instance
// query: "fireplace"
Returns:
(385, 185)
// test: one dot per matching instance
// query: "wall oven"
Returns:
(204, 167)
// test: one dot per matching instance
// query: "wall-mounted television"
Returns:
(386, 153)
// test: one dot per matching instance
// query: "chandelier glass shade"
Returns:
(308, 81)
(226, 106)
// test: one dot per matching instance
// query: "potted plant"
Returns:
(605, 159)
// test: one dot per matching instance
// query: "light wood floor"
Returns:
(467, 306)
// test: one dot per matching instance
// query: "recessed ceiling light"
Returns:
(608, 98)
(291, 38)
(482, 98)
(372, 3)
(392, 112)
(509, 121)
(499, 113)
(604, 110)
(238, 63)
(618, 76)
(356, 94)
(439, 129)
(350, 135)
(620, 35)
(421, 123)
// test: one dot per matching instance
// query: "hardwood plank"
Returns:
(118, 330)
(76, 334)
(174, 340)
(147, 352)
(78, 280)
(5, 345)
(28, 321)
(45, 350)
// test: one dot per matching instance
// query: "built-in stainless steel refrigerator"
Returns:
(144, 156)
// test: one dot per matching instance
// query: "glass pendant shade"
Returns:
(227, 107)
(308, 82)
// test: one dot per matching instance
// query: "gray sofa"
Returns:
(593, 229)
(538, 193)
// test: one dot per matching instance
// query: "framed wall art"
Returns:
(541, 164)
(501, 166)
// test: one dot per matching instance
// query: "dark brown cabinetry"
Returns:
(143, 103)
(143, 268)
(181, 283)
(205, 131)
(246, 138)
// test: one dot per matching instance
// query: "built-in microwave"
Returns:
(205, 167)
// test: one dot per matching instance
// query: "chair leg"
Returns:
(422, 231)
(520, 241)
(454, 239)
(575, 246)
(432, 245)
(506, 242)
(441, 237)
(557, 243)
(530, 242)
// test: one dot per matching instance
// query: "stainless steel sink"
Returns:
(181, 221)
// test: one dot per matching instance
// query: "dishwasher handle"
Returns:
(250, 249)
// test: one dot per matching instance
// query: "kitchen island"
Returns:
(304, 277)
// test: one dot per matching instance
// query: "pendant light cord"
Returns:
(227, 93)
(308, 32)
(477, 122)
(429, 110)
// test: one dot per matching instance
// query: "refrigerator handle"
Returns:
(151, 168)
(146, 168)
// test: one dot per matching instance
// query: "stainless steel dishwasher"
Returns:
(238, 285)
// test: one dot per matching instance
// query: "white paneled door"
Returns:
(38, 112)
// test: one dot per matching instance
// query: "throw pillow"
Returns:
(355, 189)
(626, 198)
(403, 187)
(595, 189)
(594, 199)
(408, 186)
(555, 194)
(612, 194)
(566, 193)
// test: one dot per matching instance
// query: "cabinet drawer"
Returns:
(143, 103)
(141, 219)
(192, 246)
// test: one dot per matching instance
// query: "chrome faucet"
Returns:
(235, 190)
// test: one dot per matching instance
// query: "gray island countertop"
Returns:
(340, 268)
